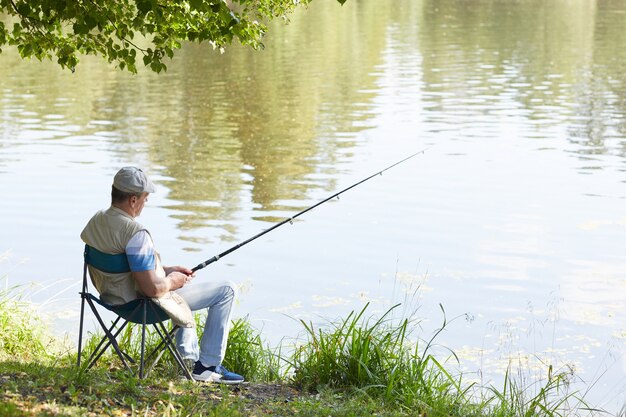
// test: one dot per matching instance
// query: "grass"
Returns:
(358, 366)
(23, 334)
(247, 353)
(550, 397)
(375, 357)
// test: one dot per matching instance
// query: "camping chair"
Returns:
(142, 311)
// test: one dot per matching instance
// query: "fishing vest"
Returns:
(109, 231)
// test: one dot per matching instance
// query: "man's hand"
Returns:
(177, 280)
(181, 269)
(178, 275)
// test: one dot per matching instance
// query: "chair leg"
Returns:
(167, 342)
(99, 350)
(157, 351)
(160, 348)
(171, 346)
(111, 338)
(80, 330)
(143, 339)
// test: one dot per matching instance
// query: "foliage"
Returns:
(22, 333)
(550, 397)
(355, 367)
(125, 31)
(375, 356)
(247, 354)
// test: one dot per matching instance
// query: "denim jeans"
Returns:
(217, 298)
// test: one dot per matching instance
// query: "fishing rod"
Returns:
(290, 219)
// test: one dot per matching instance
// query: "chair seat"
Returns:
(132, 312)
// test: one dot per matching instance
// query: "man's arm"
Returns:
(142, 261)
(153, 286)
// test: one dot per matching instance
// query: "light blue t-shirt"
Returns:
(140, 252)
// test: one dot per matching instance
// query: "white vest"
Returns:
(109, 231)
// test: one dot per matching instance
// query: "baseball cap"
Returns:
(132, 180)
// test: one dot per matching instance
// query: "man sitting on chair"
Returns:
(114, 231)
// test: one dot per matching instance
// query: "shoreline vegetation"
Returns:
(360, 365)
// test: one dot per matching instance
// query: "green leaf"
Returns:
(17, 29)
(196, 4)
(24, 9)
(144, 6)
(63, 28)
(80, 29)
(90, 22)
(25, 50)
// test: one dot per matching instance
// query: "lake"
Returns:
(512, 221)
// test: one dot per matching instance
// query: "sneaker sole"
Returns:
(229, 382)
(217, 378)
(212, 377)
(218, 381)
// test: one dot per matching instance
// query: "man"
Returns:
(115, 231)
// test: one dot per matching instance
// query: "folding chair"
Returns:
(142, 311)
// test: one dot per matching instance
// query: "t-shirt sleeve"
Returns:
(140, 252)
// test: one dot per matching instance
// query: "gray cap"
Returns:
(132, 180)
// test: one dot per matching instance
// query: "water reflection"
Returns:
(226, 130)
(245, 127)
(550, 64)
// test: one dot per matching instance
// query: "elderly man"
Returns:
(115, 231)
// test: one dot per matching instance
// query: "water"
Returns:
(512, 219)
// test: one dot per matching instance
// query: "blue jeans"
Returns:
(217, 298)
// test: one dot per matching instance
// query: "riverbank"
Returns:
(358, 366)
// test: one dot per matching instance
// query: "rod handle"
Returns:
(205, 263)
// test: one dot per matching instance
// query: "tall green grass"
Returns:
(379, 359)
(375, 356)
(251, 356)
(544, 397)
(22, 333)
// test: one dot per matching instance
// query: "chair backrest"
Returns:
(116, 264)
(106, 262)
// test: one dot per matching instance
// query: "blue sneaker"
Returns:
(217, 374)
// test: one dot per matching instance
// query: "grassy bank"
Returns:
(358, 366)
